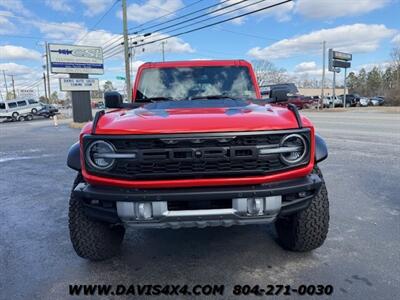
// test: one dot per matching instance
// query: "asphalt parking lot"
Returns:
(360, 258)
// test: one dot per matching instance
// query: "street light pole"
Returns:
(126, 51)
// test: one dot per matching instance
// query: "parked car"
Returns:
(331, 101)
(19, 109)
(100, 105)
(47, 110)
(377, 101)
(314, 101)
(191, 151)
(364, 101)
(352, 100)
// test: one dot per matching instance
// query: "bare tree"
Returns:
(268, 73)
(395, 54)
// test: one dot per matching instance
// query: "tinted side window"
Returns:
(2, 106)
(21, 103)
(12, 104)
(31, 101)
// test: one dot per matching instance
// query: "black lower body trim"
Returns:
(296, 194)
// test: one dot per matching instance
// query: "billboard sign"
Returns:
(339, 60)
(341, 64)
(342, 56)
(68, 59)
(26, 93)
(79, 84)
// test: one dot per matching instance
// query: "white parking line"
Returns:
(12, 158)
(341, 140)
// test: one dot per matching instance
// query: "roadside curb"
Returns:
(77, 125)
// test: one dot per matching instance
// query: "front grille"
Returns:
(186, 156)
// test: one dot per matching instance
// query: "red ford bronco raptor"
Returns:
(197, 147)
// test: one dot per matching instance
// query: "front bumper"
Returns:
(132, 206)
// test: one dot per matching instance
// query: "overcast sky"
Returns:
(290, 35)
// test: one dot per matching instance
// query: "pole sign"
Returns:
(342, 56)
(79, 84)
(25, 93)
(341, 64)
(339, 60)
(72, 59)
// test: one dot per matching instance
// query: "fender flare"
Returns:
(74, 157)
(321, 149)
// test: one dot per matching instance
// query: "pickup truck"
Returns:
(197, 147)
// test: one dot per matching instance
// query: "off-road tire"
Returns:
(306, 230)
(91, 239)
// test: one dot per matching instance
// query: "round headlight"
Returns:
(99, 155)
(296, 149)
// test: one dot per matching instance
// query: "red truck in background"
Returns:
(197, 147)
(294, 96)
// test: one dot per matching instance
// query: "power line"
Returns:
(180, 17)
(209, 13)
(111, 42)
(170, 13)
(198, 17)
(215, 23)
(99, 21)
(208, 19)
(191, 19)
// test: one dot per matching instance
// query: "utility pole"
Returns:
(345, 86)
(44, 83)
(13, 85)
(48, 69)
(5, 82)
(163, 50)
(323, 72)
(126, 51)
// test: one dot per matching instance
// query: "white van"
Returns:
(19, 109)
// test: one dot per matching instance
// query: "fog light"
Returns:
(255, 206)
(302, 194)
(144, 211)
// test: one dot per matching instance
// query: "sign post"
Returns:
(78, 84)
(78, 62)
(338, 60)
(26, 93)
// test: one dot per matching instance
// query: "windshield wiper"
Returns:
(214, 97)
(151, 99)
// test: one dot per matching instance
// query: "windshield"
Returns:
(195, 82)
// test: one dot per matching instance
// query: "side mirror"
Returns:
(279, 95)
(113, 100)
